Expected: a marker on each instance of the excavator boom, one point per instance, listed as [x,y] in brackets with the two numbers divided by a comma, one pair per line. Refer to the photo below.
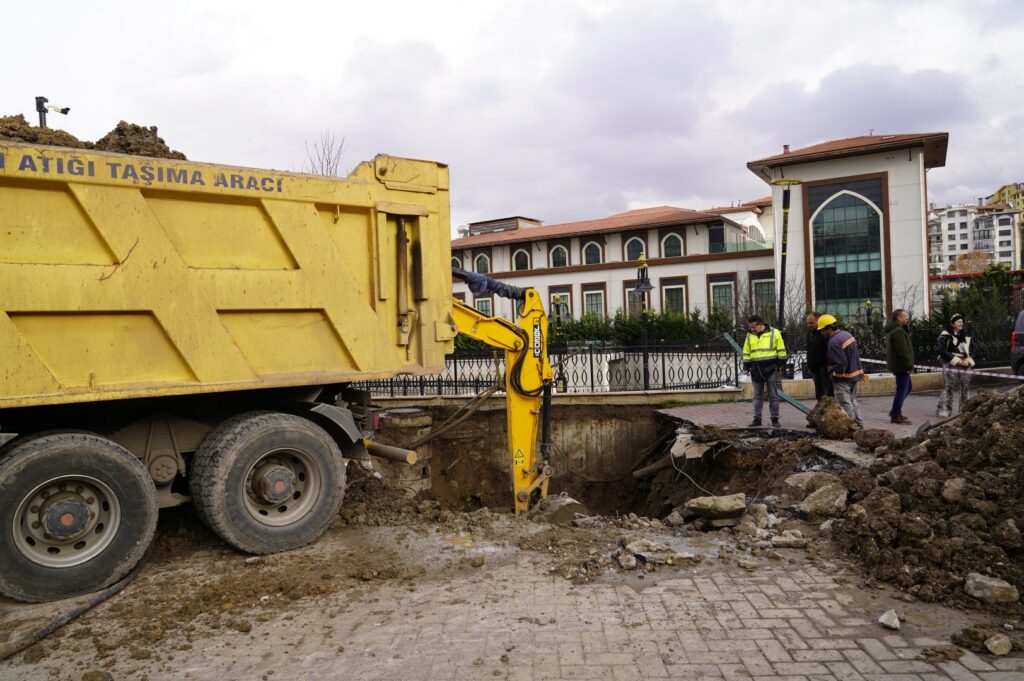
[528,377]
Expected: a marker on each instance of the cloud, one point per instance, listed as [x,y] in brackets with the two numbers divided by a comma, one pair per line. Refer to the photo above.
[560,111]
[854,100]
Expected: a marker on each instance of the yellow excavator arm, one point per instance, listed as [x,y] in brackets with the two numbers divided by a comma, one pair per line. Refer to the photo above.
[528,378]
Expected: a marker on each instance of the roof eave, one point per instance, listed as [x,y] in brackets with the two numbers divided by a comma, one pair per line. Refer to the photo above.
[935,148]
[530,235]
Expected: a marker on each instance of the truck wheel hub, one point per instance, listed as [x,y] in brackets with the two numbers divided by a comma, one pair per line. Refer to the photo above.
[65,515]
[274,483]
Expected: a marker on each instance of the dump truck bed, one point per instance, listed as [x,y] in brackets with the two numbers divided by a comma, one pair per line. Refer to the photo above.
[125,276]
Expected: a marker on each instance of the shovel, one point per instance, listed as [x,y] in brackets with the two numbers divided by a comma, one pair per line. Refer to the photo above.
[928,425]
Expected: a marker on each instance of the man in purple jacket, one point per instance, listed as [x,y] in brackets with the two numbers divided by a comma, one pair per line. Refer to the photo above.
[843,364]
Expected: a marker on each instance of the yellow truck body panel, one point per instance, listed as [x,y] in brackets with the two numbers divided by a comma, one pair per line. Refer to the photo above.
[124,276]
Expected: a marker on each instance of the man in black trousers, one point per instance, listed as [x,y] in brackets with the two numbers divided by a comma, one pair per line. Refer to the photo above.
[817,350]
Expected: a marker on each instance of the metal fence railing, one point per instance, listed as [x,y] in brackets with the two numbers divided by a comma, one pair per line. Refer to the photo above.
[581,368]
[596,367]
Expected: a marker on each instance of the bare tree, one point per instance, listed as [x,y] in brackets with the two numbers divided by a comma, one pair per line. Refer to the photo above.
[323,157]
[908,297]
[969,263]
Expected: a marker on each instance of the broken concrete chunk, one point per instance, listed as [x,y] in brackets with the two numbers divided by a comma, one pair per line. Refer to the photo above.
[718,507]
[890,620]
[747,564]
[651,552]
[758,514]
[1000,644]
[870,439]
[827,502]
[746,528]
[790,539]
[627,561]
[953,489]
[675,519]
[798,486]
[990,589]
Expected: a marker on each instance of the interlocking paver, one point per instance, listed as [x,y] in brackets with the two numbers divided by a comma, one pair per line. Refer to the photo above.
[771,625]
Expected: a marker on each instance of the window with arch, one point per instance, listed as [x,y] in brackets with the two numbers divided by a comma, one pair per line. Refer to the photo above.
[456,262]
[559,256]
[521,260]
[482,264]
[847,243]
[592,253]
[671,245]
[635,247]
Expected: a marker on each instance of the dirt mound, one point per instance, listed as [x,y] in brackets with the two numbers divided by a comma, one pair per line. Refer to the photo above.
[369,500]
[829,419]
[125,138]
[128,138]
[17,129]
[938,510]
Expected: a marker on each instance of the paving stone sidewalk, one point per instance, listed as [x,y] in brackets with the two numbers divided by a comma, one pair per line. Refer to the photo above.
[874,411]
[782,623]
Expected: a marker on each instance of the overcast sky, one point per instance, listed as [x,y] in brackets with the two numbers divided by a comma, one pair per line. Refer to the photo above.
[557,110]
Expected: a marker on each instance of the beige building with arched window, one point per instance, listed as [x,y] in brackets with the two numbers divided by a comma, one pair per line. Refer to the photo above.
[858,221]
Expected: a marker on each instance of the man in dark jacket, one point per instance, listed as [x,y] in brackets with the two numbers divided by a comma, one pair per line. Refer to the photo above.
[843,364]
[899,356]
[817,352]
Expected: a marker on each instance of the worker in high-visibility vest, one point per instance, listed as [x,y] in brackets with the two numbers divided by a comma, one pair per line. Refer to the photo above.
[764,353]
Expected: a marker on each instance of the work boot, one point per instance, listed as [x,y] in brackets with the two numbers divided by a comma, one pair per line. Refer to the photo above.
[756,423]
[776,424]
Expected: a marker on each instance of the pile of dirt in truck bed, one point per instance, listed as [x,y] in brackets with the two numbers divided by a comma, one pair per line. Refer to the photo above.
[125,138]
[928,514]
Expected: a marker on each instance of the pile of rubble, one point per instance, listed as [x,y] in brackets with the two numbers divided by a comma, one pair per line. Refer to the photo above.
[125,138]
[755,525]
[940,518]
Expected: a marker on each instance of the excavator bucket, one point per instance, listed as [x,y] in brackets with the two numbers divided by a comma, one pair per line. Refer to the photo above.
[557,510]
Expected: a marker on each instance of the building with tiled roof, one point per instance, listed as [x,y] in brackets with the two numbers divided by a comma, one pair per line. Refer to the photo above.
[695,259]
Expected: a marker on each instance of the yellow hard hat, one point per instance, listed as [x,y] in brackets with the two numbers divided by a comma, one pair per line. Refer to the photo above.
[826,320]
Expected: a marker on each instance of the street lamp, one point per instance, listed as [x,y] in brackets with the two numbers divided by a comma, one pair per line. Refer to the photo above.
[644,288]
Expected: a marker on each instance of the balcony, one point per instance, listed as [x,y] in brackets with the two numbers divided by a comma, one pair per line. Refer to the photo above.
[740,246]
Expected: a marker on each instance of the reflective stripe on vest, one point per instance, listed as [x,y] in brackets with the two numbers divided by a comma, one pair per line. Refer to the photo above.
[759,350]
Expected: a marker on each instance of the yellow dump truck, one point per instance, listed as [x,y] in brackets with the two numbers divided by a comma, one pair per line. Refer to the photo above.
[173,330]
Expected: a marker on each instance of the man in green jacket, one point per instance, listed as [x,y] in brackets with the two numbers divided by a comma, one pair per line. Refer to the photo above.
[899,356]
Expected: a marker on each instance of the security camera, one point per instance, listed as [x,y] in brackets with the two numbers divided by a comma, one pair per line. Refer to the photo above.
[59,109]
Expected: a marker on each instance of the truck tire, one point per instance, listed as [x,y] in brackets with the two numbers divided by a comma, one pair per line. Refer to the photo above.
[267,482]
[77,513]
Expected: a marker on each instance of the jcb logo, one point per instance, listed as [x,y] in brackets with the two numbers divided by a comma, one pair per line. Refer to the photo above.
[536,339]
